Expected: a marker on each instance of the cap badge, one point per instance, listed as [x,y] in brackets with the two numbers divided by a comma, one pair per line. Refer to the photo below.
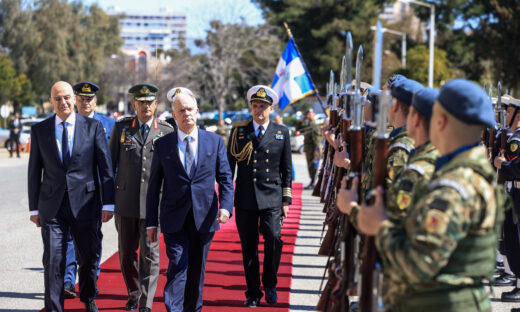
[177,92]
[86,88]
[261,93]
[144,90]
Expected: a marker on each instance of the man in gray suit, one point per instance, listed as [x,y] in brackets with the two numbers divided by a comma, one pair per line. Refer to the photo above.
[131,146]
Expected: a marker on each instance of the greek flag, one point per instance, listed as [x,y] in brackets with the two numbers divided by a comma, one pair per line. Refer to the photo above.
[291,81]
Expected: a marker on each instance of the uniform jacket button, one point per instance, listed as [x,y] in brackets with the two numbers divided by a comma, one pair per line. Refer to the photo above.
[267,180]
[142,180]
[254,179]
[254,170]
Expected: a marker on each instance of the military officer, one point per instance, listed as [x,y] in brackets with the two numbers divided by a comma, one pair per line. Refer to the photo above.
[440,255]
[311,143]
[261,152]
[508,164]
[131,146]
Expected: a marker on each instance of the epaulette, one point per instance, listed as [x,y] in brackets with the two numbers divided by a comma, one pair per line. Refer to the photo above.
[242,123]
[164,123]
[450,183]
[399,145]
[416,168]
[124,119]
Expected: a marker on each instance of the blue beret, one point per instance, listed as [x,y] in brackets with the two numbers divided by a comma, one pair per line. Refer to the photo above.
[85,88]
[423,101]
[467,101]
[395,77]
[404,89]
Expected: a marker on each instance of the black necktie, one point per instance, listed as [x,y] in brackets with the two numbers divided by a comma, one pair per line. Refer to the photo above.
[188,156]
[144,131]
[260,133]
[65,146]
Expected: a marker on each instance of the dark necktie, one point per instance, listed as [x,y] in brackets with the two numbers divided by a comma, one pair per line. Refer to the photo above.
[65,155]
[260,133]
[188,156]
[144,131]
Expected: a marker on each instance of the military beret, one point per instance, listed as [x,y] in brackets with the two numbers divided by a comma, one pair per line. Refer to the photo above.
[404,89]
[262,93]
[372,95]
[144,92]
[423,101]
[85,88]
[172,94]
[395,77]
[467,101]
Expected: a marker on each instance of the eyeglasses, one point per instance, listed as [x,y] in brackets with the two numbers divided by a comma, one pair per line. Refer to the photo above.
[85,99]
[59,98]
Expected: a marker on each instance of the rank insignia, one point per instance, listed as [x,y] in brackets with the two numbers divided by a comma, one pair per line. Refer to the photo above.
[279,136]
[123,136]
[436,221]
[105,129]
[403,199]
[514,147]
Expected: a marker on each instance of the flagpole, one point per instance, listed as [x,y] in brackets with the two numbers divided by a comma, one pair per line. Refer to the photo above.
[289,33]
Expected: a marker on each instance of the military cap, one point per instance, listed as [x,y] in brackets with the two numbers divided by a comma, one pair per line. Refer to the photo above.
[172,94]
[262,93]
[404,89]
[395,77]
[85,88]
[467,101]
[509,100]
[144,92]
[423,101]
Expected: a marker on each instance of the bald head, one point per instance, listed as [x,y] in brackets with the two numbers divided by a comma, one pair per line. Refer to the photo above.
[62,99]
[184,111]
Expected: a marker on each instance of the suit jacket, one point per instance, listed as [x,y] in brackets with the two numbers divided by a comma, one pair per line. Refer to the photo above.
[181,192]
[90,166]
[12,127]
[132,161]
[107,122]
[267,173]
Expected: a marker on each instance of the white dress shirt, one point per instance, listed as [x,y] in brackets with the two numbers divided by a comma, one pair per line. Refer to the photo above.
[256,125]
[194,142]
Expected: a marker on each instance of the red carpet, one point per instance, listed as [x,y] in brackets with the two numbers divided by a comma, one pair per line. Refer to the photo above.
[225,281]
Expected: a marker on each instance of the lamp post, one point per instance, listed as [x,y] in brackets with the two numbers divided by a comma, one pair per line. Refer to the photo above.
[432,35]
[403,42]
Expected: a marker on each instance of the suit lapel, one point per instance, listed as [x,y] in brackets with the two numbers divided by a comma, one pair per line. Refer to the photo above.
[174,152]
[79,133]
[53,140]
[251,134]
[201,150]
[154,130]
[268,135]
[136,131]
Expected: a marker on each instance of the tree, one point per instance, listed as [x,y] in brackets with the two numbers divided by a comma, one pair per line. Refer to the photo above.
[319,28]
[417,65]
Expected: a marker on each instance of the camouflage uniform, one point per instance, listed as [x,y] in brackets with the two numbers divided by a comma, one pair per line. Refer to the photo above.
[438,258]
[311,145]
[420,167]
[399,147]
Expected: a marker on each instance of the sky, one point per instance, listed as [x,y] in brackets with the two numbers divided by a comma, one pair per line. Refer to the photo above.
[198,12]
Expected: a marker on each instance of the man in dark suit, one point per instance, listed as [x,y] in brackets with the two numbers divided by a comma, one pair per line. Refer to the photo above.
[186,163]
[261,152]
[68,164]
[132,149]
[15,128]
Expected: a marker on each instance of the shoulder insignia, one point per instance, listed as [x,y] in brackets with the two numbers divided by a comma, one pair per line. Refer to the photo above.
[240,123]
[449,183]
[436,221]
[416,168]
[164,123]
[514,147]
[406,185]
[407,148]
[403,199]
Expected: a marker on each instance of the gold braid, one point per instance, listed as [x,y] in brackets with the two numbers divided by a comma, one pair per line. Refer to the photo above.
[244,153]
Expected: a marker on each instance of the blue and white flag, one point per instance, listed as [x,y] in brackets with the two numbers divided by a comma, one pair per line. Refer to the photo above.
[291,81]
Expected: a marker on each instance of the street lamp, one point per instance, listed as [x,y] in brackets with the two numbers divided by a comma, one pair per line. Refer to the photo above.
[403,42]
[432,35]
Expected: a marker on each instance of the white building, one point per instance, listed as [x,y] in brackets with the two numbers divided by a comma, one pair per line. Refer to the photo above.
[148,31]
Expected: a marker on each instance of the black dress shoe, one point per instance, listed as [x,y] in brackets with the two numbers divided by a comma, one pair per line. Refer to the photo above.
[271,296]
[91,306]
[505,279]
[69,291]
[145,309]
[132,305]
[252,302]
[309,187]
[511,296]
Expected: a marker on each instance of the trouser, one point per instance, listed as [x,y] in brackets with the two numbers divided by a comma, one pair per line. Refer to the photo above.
[187,252]
[140,272]
[312,160]
[511,243]
[248,229]
[54,235]
[14,140]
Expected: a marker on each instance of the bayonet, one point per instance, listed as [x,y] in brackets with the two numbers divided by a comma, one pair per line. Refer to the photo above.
[359,63]
[349,49]
[378,56]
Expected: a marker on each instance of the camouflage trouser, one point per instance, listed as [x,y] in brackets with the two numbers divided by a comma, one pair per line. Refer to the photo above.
[312,154]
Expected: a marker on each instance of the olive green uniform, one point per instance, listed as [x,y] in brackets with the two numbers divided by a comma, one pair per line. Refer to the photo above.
[311,145]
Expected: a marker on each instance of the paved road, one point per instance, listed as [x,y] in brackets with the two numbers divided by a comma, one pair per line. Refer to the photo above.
[21,282]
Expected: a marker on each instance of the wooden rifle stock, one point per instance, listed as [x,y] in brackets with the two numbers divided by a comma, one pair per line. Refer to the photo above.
[329,160]
[328,242]
[317,188]
[369,250]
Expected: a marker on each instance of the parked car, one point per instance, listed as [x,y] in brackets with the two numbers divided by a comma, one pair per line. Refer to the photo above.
[296,140]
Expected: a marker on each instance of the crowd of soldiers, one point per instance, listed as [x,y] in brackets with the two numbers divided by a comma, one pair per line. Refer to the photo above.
[417,185]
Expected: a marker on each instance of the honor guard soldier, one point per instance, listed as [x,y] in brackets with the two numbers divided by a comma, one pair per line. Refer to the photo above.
[86,101]
[508,164]
[132,146]
[261,152]
[444,249]
[311,143]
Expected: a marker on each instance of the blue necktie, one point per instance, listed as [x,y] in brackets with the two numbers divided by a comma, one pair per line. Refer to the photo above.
[144,131]
[260,133]
[188,156]
[65,146]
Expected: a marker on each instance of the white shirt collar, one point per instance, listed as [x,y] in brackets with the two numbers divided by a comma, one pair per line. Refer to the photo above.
[71,120]
[91,115]
[194,134]
[256,125]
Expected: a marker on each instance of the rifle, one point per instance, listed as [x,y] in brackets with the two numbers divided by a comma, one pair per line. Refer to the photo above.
[492,132]
[503,128]
[333,123]
[316,192]
[369,271]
